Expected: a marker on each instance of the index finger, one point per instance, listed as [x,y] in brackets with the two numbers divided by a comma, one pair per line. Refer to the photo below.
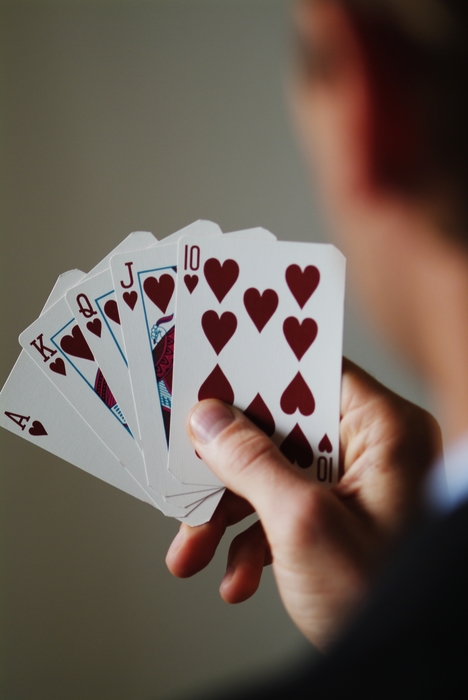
[194,547]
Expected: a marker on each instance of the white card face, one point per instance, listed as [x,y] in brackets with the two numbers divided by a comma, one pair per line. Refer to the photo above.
[144,283]
[33,408]
[94,307]
[64,282]
[68,435]
[260,326]
[29,402]
[134,241]
[149,333]
[204,510]
[55,342]
[57,345]
[61,351]
[258,233]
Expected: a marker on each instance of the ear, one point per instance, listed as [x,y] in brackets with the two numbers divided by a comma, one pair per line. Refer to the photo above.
[357,119]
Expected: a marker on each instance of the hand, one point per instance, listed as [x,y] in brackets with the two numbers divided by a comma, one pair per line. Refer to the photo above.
[324,545]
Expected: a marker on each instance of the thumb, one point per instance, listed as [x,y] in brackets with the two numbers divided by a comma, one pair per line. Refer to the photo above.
[319,547]
[248,462]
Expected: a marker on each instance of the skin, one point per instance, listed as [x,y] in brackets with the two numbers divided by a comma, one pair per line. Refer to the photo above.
[326,546]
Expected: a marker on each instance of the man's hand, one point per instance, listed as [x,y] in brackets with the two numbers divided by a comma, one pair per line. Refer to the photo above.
[324,545]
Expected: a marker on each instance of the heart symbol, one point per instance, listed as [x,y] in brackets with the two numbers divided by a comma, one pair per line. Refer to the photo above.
[302,284]
[130,298]
[219,330]
[325,444]
[296,448]
[37,428]
[191,282]
[95,326]
[258,412]
[112,310]
[260,307]
[300,336]
[298,396]
[58,366]
[160,291]
[76,345]
[216,386]
[221,278]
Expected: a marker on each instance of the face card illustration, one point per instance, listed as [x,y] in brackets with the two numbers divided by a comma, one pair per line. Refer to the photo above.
[83,359]
[149,331]
[33,408]
[94,306]
[144,284]
[260,326]
[57,345]
[94,303]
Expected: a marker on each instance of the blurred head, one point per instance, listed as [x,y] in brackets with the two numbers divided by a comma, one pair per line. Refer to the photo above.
[381,102]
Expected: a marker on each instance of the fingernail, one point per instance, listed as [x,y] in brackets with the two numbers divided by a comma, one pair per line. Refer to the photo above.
[209,419]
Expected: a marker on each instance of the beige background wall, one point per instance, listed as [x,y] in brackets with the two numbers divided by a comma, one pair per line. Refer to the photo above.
[121,116]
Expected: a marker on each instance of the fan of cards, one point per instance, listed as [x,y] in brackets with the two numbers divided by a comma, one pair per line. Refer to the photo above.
[105,382]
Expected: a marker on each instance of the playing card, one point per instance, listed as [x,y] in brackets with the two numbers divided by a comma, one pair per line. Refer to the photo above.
[146,309]
[134,241]
[94,306]
[64,282]
[32,401]
[55,342]
[33,408]
[257,233]
[144,283]
[140,239]
[259,325]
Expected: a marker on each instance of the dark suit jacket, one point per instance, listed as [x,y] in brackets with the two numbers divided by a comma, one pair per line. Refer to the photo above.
[411,639]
